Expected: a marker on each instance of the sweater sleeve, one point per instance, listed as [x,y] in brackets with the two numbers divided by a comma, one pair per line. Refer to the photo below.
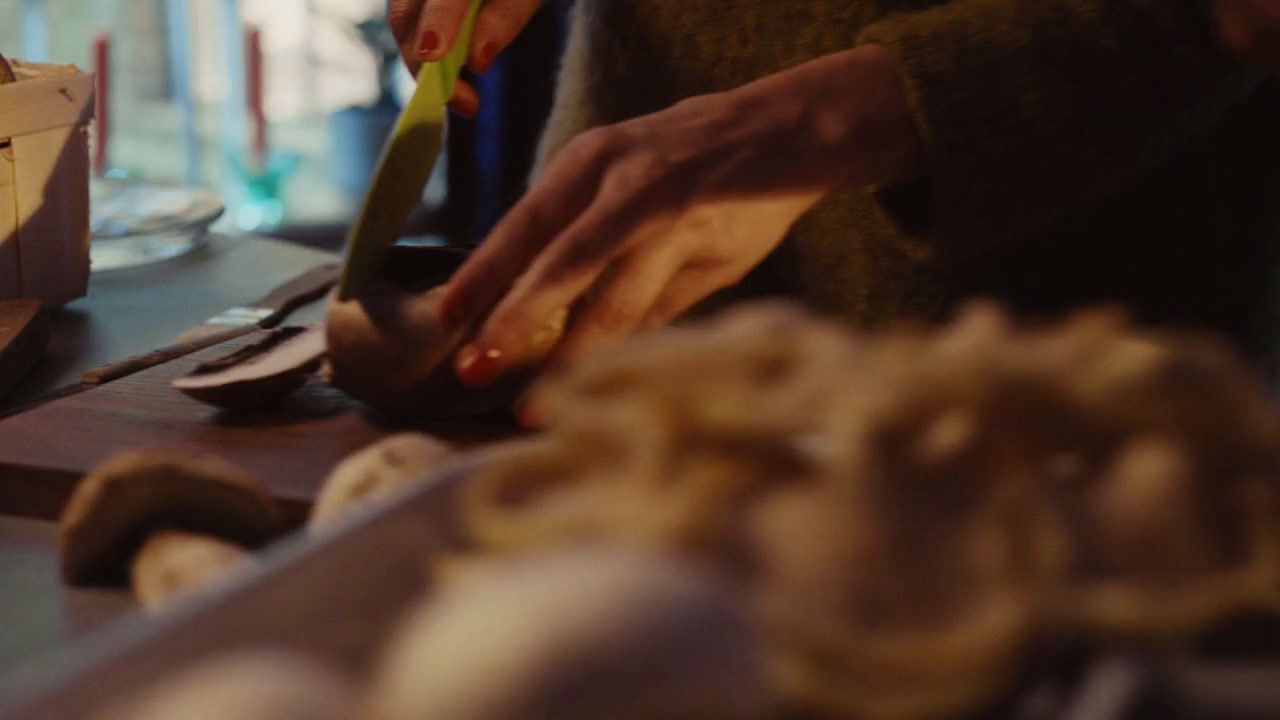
[1031,109]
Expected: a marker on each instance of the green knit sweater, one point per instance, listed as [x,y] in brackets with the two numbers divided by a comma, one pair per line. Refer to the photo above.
[1080,151]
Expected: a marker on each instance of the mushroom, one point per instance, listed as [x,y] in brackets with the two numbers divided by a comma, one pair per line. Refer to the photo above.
[173,522]
[584,634]
[259,684]
[376,471]
[258,375]
[390,349]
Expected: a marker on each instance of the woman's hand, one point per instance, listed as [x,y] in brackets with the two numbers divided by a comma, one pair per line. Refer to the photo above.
[1251,28]
[632,224]
[428,29]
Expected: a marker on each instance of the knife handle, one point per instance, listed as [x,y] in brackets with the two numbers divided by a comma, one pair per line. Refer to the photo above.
[137,363]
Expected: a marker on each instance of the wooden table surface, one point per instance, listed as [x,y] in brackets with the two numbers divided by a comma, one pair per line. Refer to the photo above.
[125,313]
[37,613]
[133,311]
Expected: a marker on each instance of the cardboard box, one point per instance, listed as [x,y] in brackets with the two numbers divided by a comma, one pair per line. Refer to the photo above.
[44,183]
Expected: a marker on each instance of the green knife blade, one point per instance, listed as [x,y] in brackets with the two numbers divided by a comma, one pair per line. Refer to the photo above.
[404,166]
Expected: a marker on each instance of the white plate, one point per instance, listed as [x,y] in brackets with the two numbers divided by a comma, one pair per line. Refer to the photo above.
[135,223]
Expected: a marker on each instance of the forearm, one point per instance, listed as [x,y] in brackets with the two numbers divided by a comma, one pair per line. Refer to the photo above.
[849,113]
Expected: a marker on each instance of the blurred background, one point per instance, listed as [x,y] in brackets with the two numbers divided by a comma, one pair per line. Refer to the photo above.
[280,106]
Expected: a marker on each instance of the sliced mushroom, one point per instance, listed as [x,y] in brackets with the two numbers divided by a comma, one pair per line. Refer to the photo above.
[588,634]
[123,517]
[261,374]
[390,349]
[249,685]
[376,471]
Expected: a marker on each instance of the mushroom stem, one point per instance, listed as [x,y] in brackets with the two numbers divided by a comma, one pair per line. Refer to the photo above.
[173,564]
[376,471]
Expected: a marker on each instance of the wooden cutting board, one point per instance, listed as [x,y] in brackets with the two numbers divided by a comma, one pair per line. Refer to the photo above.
[46,450]
[24,335]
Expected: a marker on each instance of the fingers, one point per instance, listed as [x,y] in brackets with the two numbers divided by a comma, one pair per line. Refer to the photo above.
[620,305]
[687,288]
[498,25]
[438,27]
[612,314]
[554,282]
[402,16]
[426,30]
[565,190]
[466,101]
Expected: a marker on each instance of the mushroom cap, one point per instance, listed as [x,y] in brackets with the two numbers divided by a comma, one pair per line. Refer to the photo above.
[390,349]
[583,634]
[258,375]
[259,684]
[379,469]
[135,493]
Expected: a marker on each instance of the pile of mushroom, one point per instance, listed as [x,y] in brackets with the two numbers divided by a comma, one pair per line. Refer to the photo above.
[253,684]
[172,523]
[578,635]
[907,512]
[766,515]
[375,472]
[175,522]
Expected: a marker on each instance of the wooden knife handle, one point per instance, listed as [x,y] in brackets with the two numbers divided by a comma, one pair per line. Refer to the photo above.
[129,366]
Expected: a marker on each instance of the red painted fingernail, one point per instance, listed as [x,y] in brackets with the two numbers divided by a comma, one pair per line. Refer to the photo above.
[428,44]
[478,367]
[488,53]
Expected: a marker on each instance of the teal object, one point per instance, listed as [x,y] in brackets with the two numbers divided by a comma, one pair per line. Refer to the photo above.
[258,193]
[405,165]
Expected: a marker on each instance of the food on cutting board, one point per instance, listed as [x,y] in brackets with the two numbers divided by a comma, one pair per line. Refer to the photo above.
[377,471]
[387,348]
[258,684]
[261,374]
[171,522]
[770,511]
[906,513]
[390,350]
[582,634]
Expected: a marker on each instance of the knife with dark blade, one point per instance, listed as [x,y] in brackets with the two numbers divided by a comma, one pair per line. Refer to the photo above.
[405,165]
[264,313]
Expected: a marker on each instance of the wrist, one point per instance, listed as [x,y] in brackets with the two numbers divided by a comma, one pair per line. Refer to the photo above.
[851,113]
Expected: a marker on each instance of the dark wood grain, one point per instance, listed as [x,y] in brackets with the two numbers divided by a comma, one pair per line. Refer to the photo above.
[336,595]
[45,451]
[24,335]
